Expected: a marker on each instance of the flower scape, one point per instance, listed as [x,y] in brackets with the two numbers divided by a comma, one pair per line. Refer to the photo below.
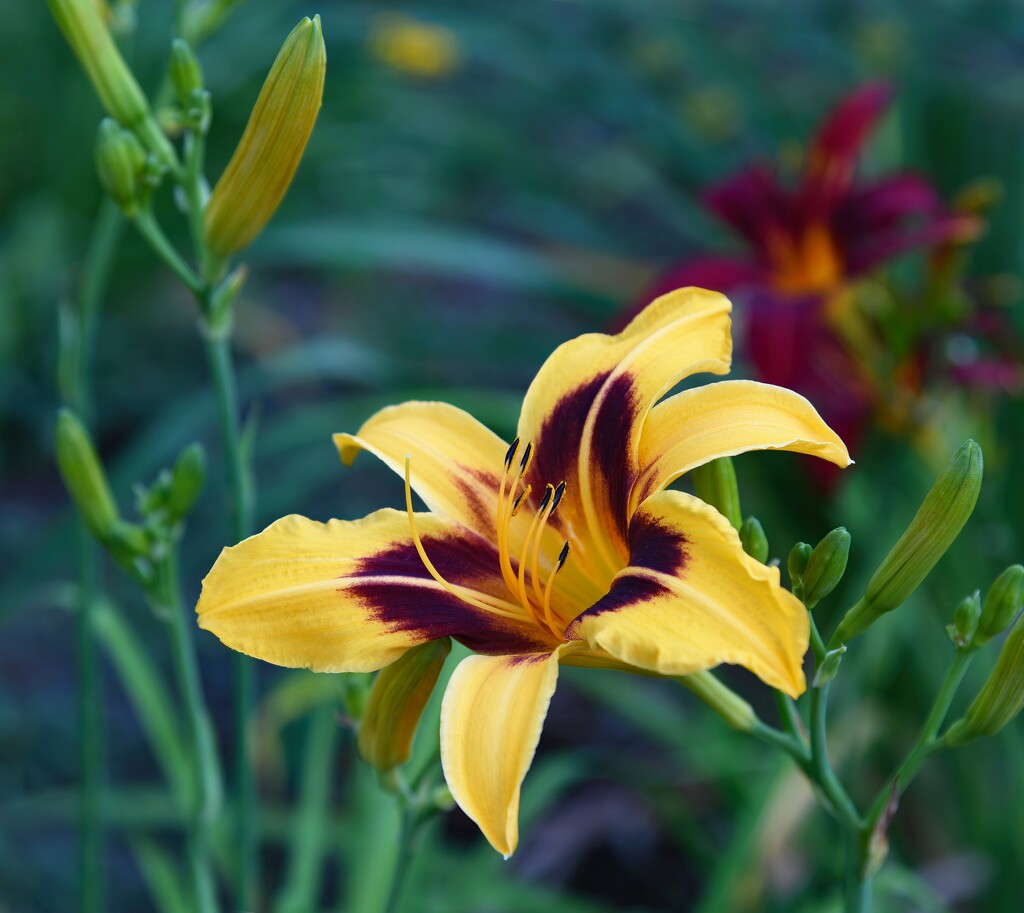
[564,547]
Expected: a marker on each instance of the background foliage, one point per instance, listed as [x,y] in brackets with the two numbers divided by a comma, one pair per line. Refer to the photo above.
[444,233]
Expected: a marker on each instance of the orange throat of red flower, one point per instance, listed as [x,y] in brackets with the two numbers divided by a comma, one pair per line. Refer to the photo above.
[808,263]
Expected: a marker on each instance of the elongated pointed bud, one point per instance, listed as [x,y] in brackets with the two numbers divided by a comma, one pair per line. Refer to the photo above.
[829,666]
[399,694]
[1001,697]
[796,564]
[715,484]
[965,622]
[186,74]
[187,479]
[1002,603]
[83,475]
[82,24]
[120,159]
[826,566]
[262,167]
[945,510]
[755,542]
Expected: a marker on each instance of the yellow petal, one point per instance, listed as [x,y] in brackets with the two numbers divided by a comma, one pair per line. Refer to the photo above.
[692,599]
[724,419]
[456,461]
[491,719]
[353,596]
[586,407]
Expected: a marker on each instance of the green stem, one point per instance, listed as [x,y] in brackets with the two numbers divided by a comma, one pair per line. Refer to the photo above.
[93,283]
[927,740]
[151,231]
[240,505]
[821,770]
[403,859]
[818,648]
[790,716]
[205,802]
[857,890]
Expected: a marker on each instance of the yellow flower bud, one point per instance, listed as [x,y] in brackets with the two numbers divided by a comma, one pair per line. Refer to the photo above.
[82,23]
[1000,699]
[257,177]
[399,694]
[945,510]
[83,475]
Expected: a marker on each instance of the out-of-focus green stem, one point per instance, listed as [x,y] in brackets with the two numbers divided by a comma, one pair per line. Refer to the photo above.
[926,741]
[93,283]
[203,807]
[403,859]
[218,350]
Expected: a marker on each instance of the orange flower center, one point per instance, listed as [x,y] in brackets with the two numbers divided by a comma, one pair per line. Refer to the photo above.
[809,262]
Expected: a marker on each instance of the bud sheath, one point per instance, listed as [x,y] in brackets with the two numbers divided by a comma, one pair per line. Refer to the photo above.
[262,167]
[399,694]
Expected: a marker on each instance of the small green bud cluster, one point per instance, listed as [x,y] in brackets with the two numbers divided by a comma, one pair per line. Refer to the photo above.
[815,572]
[162,505]
[187,79]
[755,542]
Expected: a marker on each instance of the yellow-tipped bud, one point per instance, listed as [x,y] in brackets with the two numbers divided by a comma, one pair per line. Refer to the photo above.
[257,177]
[1000,699]
[83,25]
[120,159]
[399,694]
[945,510]
[83,475]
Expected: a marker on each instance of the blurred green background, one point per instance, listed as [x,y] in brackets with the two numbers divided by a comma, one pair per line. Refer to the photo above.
[458,215]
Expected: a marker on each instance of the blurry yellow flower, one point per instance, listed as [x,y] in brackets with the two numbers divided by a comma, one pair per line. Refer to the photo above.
[657,581]
[411,46]
[257,177]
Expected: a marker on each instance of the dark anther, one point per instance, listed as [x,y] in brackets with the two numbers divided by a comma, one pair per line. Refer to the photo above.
[527,453]
[559,491]
[511,454]
[562,557]
[547,497]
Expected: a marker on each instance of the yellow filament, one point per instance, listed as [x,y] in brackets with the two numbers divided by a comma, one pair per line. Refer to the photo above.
[521,581]
[545,515]
[548,621]
[457,592]
[504,561]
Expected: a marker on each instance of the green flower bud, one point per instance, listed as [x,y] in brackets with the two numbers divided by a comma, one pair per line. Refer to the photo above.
[755,542]
[1002,603]
[82,24]
[829,667]
[268,154]
[186,74]
[1001,697]
[83,476]
[120,159]
[965,622]
[715,484]
[826,566]
[945,510]
[797,562]
[187,479]
[399,694]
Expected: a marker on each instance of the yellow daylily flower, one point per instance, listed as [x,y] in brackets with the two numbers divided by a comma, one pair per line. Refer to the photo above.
[563,547]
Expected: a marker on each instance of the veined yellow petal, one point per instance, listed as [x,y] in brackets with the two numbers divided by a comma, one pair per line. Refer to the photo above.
[456,461]
[585,410]
[692,599]
[491,718]
[724,419]
[353,596]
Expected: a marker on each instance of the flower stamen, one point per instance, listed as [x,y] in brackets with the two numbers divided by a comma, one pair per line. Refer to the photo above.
[498,606]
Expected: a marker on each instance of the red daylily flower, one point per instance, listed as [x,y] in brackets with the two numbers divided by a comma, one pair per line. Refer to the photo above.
[805,243]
